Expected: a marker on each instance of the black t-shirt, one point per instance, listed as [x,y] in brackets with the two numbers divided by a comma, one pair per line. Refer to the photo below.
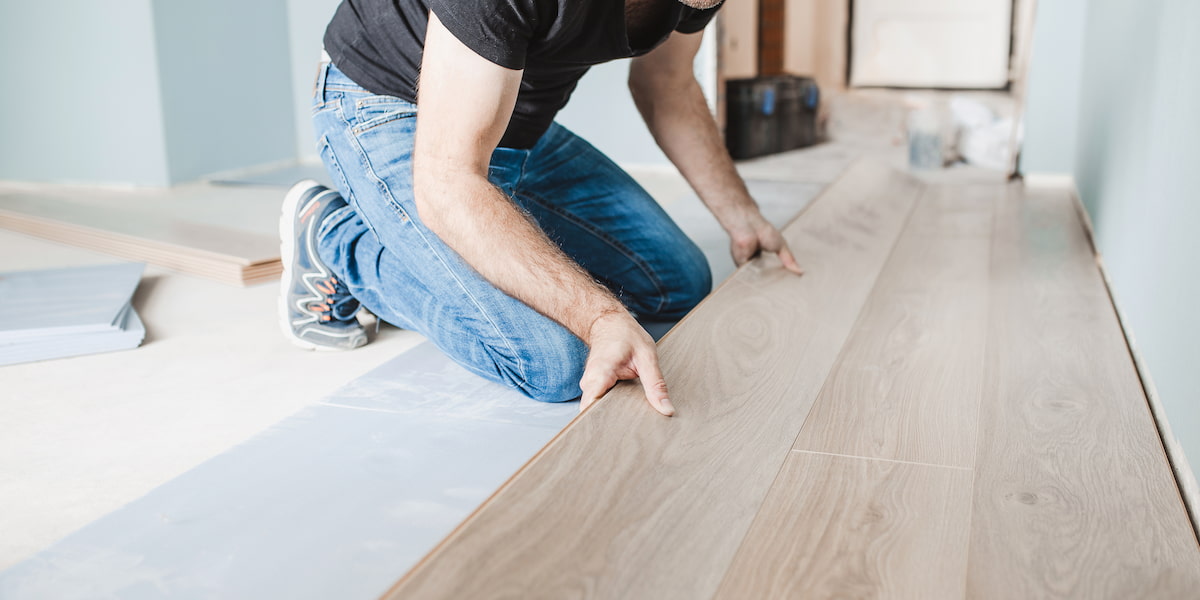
[378,43]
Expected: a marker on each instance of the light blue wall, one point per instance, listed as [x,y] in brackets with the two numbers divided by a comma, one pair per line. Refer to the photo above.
[306,28]
[1137,129]
[80,101]
[1051,123]
[224,66]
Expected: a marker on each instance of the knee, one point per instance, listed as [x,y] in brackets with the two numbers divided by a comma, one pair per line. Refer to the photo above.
[548,370]
[690,283]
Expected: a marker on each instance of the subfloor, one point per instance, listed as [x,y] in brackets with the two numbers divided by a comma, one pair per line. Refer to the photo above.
[81,437]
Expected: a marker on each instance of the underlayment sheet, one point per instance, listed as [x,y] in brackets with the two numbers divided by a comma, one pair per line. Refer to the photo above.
[332,502]
[126,334]
[58,313]
[65,301]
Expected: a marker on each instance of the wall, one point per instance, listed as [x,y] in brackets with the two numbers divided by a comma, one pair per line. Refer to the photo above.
[306,30]
[1135,128]
[602,111]
[226,83]
[81,99]
[1055,76]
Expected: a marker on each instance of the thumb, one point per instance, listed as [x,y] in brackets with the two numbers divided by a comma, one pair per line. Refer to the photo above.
[654,385]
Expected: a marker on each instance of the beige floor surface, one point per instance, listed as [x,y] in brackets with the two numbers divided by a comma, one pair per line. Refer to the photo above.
[80,437]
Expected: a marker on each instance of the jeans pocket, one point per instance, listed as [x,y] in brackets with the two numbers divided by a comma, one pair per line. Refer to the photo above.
[373,111]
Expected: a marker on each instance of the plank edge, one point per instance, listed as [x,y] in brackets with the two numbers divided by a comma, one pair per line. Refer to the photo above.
[728,282]
[1184,476]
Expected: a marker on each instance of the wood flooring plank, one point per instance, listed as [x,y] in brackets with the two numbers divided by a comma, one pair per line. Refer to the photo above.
[908,382]
[849,527]
[1073,495]
[626,504]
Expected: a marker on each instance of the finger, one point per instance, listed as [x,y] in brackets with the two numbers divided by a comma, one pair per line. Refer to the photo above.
[789,261]
[654,384]
[594,386]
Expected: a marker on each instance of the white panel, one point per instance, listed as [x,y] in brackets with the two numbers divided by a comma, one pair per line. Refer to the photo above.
[931,43]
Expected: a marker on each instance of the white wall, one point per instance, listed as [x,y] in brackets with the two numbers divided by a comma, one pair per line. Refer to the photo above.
[1133,116]
[81,101]
[602,111]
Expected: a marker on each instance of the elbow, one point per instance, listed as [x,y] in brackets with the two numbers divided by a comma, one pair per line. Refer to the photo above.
[426,197]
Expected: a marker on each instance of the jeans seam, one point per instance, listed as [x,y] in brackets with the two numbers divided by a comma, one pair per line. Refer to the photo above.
[607,239]
[390,199]
[381,120]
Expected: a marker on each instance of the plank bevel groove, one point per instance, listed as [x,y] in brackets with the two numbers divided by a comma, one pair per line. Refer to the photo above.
[891,460]
[602,479]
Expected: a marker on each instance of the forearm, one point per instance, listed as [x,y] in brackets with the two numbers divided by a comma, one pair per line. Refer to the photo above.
[679,120]
[495,237]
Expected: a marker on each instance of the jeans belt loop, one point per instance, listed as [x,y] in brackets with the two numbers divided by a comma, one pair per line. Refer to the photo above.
[322,73]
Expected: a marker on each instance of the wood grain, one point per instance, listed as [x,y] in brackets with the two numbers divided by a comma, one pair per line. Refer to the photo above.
[1073,495]
[625,504]
[220,253]
[847,527]
[908,382]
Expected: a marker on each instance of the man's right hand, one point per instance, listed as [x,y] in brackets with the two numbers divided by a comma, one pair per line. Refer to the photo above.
[620,350]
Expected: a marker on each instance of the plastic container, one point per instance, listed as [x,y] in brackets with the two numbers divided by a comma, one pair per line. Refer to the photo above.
[766,115]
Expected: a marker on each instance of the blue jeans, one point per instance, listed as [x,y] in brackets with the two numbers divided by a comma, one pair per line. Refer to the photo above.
[407,276]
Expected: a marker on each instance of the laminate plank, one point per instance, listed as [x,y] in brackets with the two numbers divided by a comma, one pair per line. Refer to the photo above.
[625,504]
[227,255]
[1073,496]
[908,383]
[848,527]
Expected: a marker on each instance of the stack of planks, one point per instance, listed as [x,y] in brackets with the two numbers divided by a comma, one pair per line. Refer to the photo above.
[944,406]
[222,254]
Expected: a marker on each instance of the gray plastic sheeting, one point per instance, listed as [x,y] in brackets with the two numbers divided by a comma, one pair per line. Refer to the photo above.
[337,501]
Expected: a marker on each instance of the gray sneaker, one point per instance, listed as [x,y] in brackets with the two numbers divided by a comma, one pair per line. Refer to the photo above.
[316,310]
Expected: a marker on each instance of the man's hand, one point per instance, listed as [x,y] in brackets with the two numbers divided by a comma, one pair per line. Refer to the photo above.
[620,350]
[665,90]
[752,235]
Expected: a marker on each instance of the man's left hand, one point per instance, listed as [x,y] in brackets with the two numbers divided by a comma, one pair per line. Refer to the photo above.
[754,235]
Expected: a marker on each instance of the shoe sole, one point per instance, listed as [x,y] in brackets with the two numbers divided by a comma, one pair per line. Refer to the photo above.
[287,252]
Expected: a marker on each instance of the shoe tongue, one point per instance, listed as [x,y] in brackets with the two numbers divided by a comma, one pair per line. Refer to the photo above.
[343,309]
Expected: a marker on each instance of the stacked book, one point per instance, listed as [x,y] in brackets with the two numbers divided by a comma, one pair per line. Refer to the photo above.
[68,312]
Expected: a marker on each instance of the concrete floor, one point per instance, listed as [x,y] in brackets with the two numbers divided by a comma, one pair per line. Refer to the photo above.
[81,437]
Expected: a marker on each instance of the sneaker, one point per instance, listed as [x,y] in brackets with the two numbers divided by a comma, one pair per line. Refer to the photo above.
[316,310]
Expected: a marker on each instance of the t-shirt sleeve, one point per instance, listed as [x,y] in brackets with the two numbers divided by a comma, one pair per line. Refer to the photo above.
[695,20]
[498,30]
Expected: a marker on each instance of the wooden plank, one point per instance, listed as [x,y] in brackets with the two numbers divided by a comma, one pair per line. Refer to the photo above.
[1073,494]
[227,255]
[625,504]
[846,527]
[907,385]
[156,231]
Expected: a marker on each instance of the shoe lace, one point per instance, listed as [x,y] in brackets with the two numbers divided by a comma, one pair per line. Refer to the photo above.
[336,303]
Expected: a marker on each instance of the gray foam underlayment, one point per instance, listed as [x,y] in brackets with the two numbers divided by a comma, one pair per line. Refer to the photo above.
[336,501]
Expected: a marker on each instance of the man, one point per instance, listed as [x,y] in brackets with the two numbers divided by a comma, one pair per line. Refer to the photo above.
[467,215]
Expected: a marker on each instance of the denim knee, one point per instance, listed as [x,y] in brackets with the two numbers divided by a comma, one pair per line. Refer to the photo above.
[548,370]
[690,284]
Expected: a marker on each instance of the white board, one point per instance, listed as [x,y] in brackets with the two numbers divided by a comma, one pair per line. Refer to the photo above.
[961,44]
